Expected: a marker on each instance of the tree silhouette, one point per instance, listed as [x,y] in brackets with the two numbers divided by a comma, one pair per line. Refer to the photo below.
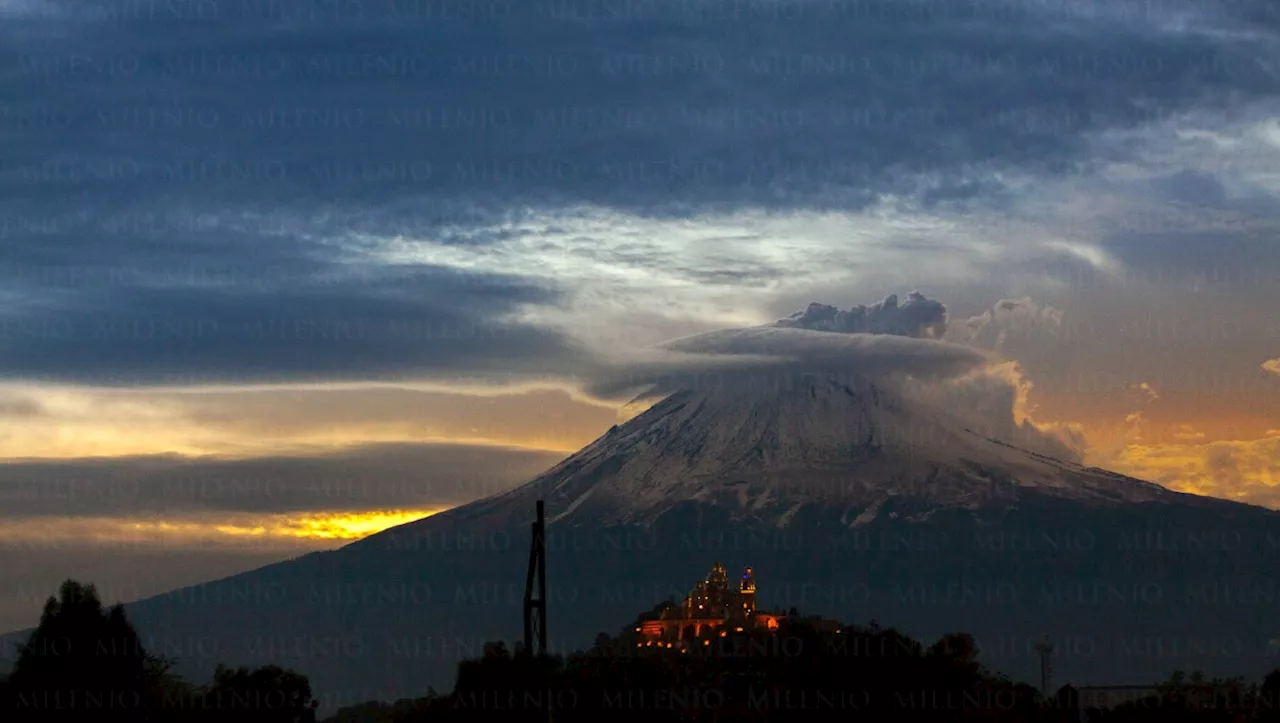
[82,663]
[87,664]
[960,648]
[602,645]
[269,694]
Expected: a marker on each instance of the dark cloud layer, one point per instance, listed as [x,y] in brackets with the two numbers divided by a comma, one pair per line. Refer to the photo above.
[386,326]
[227,162]
[369,478]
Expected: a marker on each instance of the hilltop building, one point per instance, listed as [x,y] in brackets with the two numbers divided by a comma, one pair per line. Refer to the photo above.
[713,605]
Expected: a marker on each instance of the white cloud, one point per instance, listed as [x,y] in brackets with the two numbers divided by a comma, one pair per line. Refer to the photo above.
[731,355]
[1017,317]
[1150,391]
[996,400]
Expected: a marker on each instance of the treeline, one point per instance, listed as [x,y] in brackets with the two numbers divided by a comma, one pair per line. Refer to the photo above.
[85,663]
[807,670]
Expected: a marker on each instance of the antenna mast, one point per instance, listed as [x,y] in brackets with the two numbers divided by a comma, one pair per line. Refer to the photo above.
[535,611]
[1045,649]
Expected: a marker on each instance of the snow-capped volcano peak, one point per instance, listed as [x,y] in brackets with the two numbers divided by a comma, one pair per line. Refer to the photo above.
[766,448]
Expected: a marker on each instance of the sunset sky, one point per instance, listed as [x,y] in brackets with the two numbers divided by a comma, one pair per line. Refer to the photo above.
[280,274]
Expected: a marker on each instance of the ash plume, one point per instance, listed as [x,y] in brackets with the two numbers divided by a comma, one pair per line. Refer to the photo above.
[919,317]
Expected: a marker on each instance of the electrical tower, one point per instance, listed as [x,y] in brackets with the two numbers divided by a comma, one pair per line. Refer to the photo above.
[1045,649]
[535,611]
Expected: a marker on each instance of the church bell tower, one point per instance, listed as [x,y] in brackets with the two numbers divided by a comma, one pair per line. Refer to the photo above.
[747,592]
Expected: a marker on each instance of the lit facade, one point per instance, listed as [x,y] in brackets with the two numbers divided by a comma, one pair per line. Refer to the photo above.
[713,605]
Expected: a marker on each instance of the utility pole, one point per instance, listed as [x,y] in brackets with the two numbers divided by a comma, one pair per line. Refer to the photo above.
[535,610]
[1045,649]
[535,626]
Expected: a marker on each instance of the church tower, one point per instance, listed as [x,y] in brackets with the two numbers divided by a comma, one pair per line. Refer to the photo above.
[717,587]
[747,592]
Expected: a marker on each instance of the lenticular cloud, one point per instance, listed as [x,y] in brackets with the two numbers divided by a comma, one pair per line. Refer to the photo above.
[881,340]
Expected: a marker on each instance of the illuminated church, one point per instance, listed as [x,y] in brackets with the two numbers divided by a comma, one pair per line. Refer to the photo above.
[714,605]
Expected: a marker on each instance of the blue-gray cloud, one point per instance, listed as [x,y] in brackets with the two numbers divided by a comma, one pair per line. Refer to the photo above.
[223,165]
[389,325]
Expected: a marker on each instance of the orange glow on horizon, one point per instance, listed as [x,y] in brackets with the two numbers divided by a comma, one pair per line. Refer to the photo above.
[286,530]
[330,525]
[236,422]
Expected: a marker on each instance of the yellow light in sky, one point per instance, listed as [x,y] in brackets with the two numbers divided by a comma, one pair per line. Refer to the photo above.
[308,529]
[353,525]
[321,525]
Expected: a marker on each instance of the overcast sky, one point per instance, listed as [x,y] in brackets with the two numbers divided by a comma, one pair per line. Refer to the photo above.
[247,244]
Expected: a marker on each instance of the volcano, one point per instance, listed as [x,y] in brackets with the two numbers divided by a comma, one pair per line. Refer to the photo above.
[850,499]
[766,449]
